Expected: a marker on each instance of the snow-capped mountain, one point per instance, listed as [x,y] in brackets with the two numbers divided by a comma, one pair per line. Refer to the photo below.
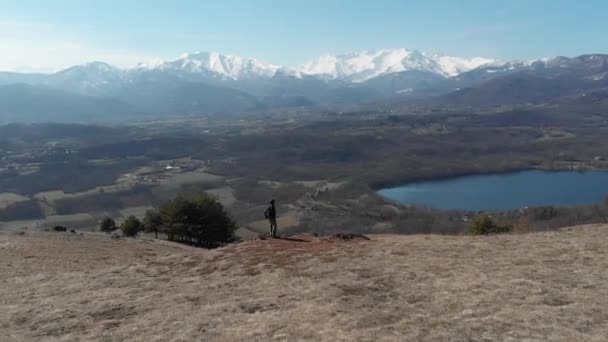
[363,66]
[98,68]
[87,78]
[212,83]
[453,66]
[215,64]
[353,67]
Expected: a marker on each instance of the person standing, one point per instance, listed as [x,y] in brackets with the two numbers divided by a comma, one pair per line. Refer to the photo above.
[271,214]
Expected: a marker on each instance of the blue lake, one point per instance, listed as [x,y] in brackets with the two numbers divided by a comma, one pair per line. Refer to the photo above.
[505,191]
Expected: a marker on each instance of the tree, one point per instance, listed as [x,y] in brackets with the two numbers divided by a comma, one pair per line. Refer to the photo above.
[202,222]
[131,226]
[152,222]
[107,225]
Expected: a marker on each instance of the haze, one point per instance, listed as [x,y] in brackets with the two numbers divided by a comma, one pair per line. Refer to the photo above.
[48,36]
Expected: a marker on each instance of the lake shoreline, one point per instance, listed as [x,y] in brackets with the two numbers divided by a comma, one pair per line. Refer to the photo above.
[503,190]
[378,186]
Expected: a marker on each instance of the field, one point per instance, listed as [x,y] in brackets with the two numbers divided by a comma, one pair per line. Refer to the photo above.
[7,199]
[528,287]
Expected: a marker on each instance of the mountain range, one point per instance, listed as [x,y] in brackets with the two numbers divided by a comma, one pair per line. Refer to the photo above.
[205,83]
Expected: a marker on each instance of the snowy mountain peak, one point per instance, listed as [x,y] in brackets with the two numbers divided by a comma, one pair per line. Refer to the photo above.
[91,67]
[215,64]
[362,66]
[353,66]
[453,66]
[89,77]
[350,67]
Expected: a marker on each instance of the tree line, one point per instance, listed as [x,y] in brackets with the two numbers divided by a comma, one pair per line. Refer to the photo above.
[201,222]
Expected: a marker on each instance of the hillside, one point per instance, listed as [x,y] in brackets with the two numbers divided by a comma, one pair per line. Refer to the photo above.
[22,102]
[537,287]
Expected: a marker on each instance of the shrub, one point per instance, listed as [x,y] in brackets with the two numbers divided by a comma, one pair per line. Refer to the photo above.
[131,226]
[60,229]
[107,225]
[484,225]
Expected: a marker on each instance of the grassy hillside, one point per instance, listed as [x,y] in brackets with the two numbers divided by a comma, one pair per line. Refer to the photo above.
[534,287]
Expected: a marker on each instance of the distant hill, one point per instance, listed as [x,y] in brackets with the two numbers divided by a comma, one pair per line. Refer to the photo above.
[176,97]
[513,89]
[22,102]
[213,84]
[540,82]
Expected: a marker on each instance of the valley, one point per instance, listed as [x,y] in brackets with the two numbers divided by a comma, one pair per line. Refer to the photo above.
[303,171]
[322,167]
[320,139]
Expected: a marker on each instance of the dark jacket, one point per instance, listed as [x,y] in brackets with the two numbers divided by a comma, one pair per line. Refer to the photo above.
[271,213]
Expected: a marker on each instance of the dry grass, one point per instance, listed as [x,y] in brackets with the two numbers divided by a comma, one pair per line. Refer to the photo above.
[524,287]
[81,220]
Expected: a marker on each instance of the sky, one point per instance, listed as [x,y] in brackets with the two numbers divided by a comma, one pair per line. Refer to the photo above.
[50,35]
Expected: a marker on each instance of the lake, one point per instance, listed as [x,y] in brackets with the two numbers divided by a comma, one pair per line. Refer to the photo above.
[505,191]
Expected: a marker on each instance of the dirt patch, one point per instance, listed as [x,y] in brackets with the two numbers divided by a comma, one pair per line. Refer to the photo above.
[347,236]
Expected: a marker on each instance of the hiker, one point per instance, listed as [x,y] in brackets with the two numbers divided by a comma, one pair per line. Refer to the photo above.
[271,214]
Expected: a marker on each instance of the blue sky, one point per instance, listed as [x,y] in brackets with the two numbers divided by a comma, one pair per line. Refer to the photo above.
[48,35]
